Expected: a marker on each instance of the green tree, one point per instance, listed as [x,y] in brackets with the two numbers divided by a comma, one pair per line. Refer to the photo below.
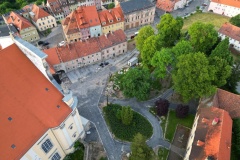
[193,77]
[140,149]
[143,34]
[202,36]
[222,70]
[235,152]
[233,80]
[160,61]
[126,115]
[235,20]
[136,83]
[148,50]
[222,51]
[182,47]
[111,5]
[169,29]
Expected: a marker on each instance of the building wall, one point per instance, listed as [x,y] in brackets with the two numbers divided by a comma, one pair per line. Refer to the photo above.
[106,2]
[115,50]
[234,43]
[98,4]
[191,138]
[29,34]
[73,37]
[95,31]
[139,18]
[180,4]
[57,16]
[113,27]
[45,23]
[226,10]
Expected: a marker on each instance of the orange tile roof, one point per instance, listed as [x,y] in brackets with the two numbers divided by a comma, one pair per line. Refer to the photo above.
[87,47]
[234,3]
[216,139]
[18,21]
[230,31]
[112,14]
[39,13]
[82,17]
[166,5]
[24,98]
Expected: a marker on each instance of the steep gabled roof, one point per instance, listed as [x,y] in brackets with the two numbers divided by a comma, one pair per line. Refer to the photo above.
[18,21]
[38,13]
[230,30]
[112,14]
[28,104]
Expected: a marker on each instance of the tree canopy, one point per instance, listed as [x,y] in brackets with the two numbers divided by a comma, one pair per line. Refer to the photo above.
[169,29]
[140,149]
[202,36]
[136,83]
[111,5]
[193,77]
[222,51]
[160,61]
[143,34]
[235,20]
[126,115]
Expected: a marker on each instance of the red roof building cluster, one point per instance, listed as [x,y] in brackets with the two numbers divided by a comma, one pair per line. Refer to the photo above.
[18,21]
[38,13]
[110,17]
[166,5]
[231,31]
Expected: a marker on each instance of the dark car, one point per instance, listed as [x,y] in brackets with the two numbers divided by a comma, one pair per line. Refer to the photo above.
[204,4]
[106,63]
[45,43]
[101,64]
[40,42]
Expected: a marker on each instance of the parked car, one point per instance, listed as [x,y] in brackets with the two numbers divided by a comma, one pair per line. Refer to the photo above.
[40,42]
[101,64]
[88,132]
[106,63]
[61,43]
[45,43]
[204,4]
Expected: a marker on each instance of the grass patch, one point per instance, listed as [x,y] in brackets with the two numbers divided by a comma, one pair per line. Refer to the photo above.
[78,154]
[126,132]
[162,153]
[163,125]
[173,121]
[215,19]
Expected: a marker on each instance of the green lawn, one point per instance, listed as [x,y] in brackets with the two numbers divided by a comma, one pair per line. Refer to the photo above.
[126,132]
[215,19]
[162,153]
[173,121]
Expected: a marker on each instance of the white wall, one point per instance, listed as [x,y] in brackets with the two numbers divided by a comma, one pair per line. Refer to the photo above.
[226,10]
[94,31]
[233,42]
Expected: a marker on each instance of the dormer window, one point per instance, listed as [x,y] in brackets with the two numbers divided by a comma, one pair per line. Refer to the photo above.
[103,23]
[110,21]
[119,19]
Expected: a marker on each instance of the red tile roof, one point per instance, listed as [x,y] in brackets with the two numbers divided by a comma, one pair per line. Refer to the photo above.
[216,138]
[24,98]
[82,17]
[18,21]
[234,3]
[80,49]
[112,14]
[55,6]
[39,13]
[230,31]
[228,101]
[166,5]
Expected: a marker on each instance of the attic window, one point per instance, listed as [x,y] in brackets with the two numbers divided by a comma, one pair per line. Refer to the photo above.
[103,23]
[119,19]
[58,106]
[46,89]
[13,146]
[111,21]
[10,118]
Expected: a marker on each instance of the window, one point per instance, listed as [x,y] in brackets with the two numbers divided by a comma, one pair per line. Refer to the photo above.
[56,156]
[47,145]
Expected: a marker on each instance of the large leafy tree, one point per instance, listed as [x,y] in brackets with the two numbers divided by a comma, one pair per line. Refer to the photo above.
[182,47]
[222,70]
[222,51]
[202,36]
[140,149]
[126,115]
[193,77]
[160,61]
[143,34]
[148,50]
[235,20]
[233,80]
[136,83]
[235,139]
[169,29]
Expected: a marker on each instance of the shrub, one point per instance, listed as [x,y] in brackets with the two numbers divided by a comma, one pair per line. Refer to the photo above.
[162,106]
[182,111]
[126,115]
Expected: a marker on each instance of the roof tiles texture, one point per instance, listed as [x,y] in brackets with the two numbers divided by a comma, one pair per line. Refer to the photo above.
[230,31]
[18,21]
[29,100]
[216,138]
[135,5]
[81,49]
[112,14]
[39,13]
[55,6]
[166,5]
[234,3]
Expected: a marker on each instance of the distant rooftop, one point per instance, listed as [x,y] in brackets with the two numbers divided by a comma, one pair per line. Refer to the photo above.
[4,30]
[135,5]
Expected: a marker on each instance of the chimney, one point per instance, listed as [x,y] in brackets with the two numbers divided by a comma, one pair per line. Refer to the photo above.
[215,121]
[106,35]
[204,120]
[200,143]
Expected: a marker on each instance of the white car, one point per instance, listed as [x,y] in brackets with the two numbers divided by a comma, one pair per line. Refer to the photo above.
[88,132]
[61,43]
